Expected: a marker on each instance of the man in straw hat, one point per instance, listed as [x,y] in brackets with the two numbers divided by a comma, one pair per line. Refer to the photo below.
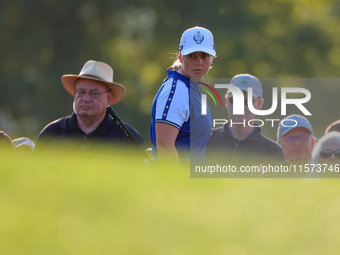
[93,91]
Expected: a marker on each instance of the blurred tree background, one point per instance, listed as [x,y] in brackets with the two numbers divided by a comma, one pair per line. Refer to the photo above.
[44,39]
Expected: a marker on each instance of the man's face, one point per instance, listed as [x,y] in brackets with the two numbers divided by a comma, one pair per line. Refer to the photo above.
[297,144]
[91,98]
[248,115]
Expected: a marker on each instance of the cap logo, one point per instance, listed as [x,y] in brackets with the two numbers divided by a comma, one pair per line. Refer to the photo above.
[244,81]
[198,38]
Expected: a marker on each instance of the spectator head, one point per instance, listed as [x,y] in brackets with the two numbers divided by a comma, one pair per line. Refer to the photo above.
[335,126]
[243,82]
[295,135]
[327,149]
[99,72]
[23,143]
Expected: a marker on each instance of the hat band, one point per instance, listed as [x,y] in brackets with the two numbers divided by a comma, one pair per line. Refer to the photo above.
[96,77]
[90,76]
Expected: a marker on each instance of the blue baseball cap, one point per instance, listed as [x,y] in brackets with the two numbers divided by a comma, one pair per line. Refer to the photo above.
[291,122]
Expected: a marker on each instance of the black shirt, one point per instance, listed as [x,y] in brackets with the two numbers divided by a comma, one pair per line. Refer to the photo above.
[108,132]
[224,147]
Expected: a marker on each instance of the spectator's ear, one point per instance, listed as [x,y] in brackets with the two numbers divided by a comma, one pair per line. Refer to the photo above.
[226,101]
[109,98]
[260,103]
[313,141]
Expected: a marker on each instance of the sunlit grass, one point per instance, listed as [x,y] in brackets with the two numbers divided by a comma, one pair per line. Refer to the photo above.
[107,202]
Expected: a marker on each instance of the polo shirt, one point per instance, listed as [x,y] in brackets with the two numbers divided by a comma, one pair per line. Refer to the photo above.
[178,103]
[107,132]
[255,148]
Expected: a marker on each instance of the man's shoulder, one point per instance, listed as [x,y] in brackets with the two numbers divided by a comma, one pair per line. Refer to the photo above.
[266,140]
[269,145]
[58,123]
[53,130]
[55,127]
[272,148]
[218,137]
[217,131]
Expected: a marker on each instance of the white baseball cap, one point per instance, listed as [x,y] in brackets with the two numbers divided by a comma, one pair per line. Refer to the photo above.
[244,81]
[197,39]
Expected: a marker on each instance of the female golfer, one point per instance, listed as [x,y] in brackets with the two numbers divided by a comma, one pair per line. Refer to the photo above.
[178,129]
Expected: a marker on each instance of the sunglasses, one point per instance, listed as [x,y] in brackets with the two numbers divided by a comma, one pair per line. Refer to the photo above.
[292,139]
[328,153]
[231,100]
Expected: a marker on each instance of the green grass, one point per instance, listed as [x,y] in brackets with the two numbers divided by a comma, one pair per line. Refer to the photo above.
[108,202]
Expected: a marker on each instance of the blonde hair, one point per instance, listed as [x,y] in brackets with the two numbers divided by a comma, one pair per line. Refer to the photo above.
[176,65]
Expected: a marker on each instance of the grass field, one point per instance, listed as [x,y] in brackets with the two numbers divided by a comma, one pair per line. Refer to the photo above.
[108,202]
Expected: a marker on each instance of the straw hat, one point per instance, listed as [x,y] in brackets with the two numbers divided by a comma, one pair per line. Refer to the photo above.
[98,71]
